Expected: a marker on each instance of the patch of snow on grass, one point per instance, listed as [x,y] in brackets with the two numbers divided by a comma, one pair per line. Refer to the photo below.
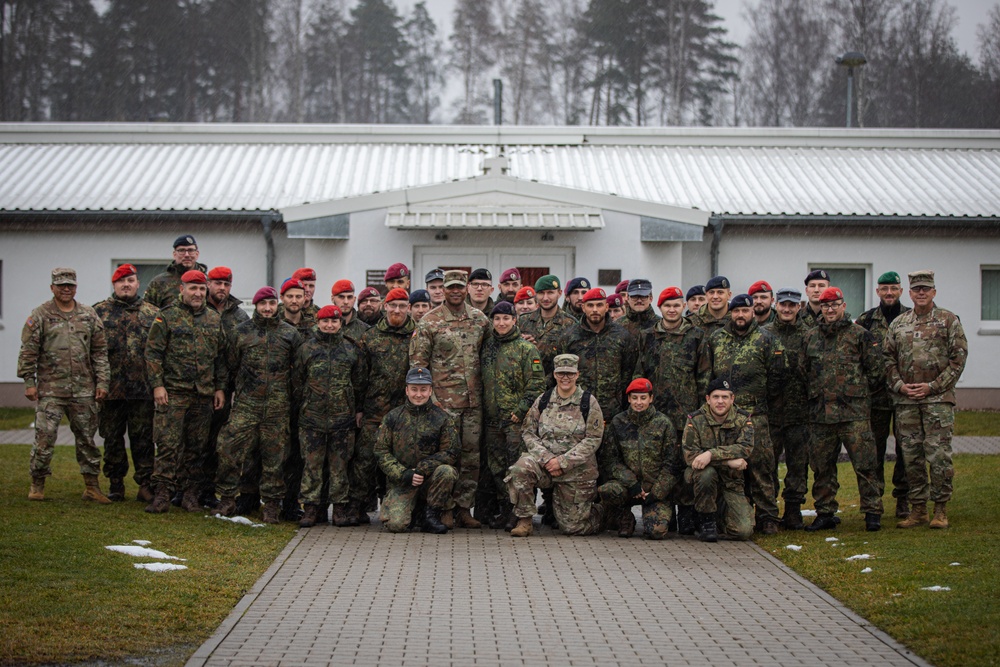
[936,588]
[866,570]
[141,552]
[142,543]
[242,520]
[794,547]
[860,557]
[159,567]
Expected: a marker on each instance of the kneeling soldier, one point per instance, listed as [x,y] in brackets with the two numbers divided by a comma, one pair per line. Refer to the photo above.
[638,450]
[718,440]
[417,448]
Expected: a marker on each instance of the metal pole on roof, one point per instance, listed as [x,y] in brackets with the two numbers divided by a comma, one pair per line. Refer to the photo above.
[850,60]
[497,102]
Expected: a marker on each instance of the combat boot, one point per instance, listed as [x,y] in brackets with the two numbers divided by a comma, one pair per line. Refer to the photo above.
[626,523]
[189,501]
[918,516]
[873,522]
[432,521]
[769,527]
[503,518]
[227,506]
[309,516]
[940,519]
[37,491]
[247,503]
[340,517]
[793,517]
[902,508]
[161,501]
[116,490]
[523,527]
[362,514]
[822,522]
[448,519]
[144,494]
[687,523]
[92,491]
[464,518]
[270,512]
[708,531]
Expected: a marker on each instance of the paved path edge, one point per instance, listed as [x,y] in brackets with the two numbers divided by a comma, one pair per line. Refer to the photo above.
[868,626]
[205,651]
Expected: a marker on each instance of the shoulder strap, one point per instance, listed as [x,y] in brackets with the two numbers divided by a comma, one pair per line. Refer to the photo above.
[585,405]
[543,402]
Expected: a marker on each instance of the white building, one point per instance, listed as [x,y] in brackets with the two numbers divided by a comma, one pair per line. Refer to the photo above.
[675,205]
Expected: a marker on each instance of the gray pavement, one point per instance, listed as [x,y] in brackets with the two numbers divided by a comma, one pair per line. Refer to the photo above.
[339,596]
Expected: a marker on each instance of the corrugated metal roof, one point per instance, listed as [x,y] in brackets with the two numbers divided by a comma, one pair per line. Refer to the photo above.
[475,217]
[113,173]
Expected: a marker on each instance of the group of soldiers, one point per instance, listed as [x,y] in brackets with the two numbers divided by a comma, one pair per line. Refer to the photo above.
[444,407]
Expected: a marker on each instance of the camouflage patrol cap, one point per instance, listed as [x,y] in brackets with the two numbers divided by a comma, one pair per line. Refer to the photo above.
[547,282]
[566,363]
[63,276]
[922,278]
[455,277]
[418,375]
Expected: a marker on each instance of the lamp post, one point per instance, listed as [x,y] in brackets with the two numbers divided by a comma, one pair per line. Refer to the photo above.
[850,60]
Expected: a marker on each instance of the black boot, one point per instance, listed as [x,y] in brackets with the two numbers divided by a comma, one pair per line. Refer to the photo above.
[793,517]
[432,521]
[823,522]
[873,522]
[547,510]
[247,503]
[708,531]
[686,520]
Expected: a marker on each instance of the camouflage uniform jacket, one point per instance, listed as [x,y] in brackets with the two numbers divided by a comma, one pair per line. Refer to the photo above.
[261,352]
[356,328]
[512,376]
[231,313]
[310,310]
[485,310]
[677,363]
[772,317]
[546,334]
[707,322]
[637,323]
[567,308]
[927,348]
[126,325]
[64,355]
[607,359]
[874,320]
[560,433]
[328,381]
[808,317]
[842,364]
[641,450]
[386,351]
[448,345]
[730,439]
[306,325]
[415,439]
[789,405]
[164,289]
[186,351]
[754,362]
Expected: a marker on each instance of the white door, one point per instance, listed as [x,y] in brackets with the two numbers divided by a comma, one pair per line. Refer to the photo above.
[533,262]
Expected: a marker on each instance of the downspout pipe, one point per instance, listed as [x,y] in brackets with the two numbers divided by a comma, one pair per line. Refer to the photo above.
[716,223]
[267,225]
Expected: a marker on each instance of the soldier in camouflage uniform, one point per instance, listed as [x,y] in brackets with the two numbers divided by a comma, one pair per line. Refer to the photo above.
[641,314]
[695,299]
[417,449]
[816,281]
[572,304]
[842,364]
[186,367]
[370,306]
[512,380]
[753,361]
[763,302]
[877,321]
[260,355]
[715,313]
[307,277]
[292,311]
[673,355]
[718,440]
[561,440]
[329,383]
[788,412]
[129,404]
[64,365]
[543,327]
[344,299]
[448,341]
[639,450]
[163,289]
[926,351]
[480,291]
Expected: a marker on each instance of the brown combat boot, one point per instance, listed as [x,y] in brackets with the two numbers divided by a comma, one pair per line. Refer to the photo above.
[902,508]
[918,517]
[270,511]
[940,519]
[37,491]
[189,502]
[145,494]
[161,501]
[93,490]
[464,518]
[309,515]
[523,527]
[340,516]
[227,506]
[448,519]
[626,523]
[116,490]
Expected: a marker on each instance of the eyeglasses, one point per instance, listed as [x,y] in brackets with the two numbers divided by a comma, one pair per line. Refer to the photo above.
[186,251]
[920,289]
[831,306]
[480,285]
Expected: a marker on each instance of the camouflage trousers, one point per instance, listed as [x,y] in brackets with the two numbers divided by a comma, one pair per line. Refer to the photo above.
[683,491]
[572,502]
[364,470]
[180,435]
[925,431]
[219,419]
[326,455]
[136,417]
[469,422]
[254,429]
[292,466]
[655,515]
[400,501]
[719,490]
[884,422]
[82,415]
[761,483]
[503,447]
[792,440]
[824,449]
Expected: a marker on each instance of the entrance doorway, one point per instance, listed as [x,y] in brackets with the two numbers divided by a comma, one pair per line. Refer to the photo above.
[532,263]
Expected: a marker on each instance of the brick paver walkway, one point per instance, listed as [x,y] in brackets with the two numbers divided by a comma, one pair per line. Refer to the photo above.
[365,596]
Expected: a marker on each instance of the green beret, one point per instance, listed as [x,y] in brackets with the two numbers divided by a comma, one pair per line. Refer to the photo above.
[547,282]
[889,278]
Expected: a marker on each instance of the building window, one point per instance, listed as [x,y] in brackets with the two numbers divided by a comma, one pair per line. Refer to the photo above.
[853,282]
[991,293]
[147,270]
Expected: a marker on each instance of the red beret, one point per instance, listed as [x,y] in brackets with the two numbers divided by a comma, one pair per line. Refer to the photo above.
[368,293]
[510,274]
[291,283]
[615,301]
[641,385]
[595,294]
[123,271]
[264,293]
[831,294]
[759,286]
[524,294]
[193,277]
[329,313]
[622,286]
[221,273]
[305,273]
[669,294]
[397,294]
[342,286]
[397,270]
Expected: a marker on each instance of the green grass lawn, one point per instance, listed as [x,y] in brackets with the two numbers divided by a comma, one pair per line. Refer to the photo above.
[16,418]
[65,598]
[952,628]
[978,422]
